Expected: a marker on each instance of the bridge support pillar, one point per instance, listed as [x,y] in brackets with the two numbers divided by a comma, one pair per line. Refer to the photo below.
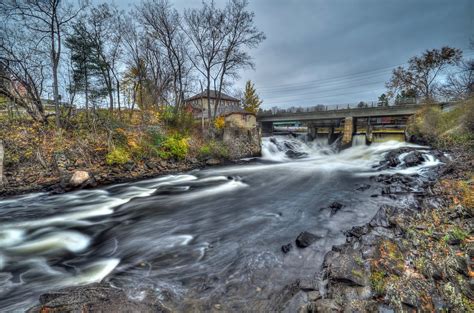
[348,130]
[331,135]
[267,128]
[312,131]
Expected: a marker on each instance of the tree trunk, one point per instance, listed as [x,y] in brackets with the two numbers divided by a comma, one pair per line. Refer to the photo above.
[209,114]
[2,154]
[86,92]
[55,62]
[118,94]
[56,95]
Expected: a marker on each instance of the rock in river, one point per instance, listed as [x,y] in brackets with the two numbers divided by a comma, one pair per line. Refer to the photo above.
[305,239]
[335,206]
[79,178]
[286,248]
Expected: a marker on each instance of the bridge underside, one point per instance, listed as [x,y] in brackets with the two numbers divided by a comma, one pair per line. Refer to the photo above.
[374,128]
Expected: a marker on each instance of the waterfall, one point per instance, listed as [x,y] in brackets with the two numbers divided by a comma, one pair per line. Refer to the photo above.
[358,140]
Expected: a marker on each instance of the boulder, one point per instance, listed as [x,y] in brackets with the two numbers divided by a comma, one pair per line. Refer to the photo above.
[325,305]
[363,187]
[305,239]
[286,248]
[297,303]
[381,218]
[213,162]
[96,298]
[335,206]
[348,268]
[79,178]
[295,154]
[412,159]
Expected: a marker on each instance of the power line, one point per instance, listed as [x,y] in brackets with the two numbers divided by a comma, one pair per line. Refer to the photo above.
[331,86]
[315,99]
[332,91]
[331,78]
[342,77]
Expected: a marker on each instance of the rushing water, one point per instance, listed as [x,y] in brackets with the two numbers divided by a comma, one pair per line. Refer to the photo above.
[197,239]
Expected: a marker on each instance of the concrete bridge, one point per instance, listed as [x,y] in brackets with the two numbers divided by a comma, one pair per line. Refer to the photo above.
[345,122]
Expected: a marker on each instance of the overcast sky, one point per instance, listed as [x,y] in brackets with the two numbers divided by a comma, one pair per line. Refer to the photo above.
[342,51]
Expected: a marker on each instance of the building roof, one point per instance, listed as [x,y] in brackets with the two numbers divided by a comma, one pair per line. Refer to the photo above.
[240,112]
[213,95]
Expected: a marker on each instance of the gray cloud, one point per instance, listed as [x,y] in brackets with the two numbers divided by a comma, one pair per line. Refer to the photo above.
[342,51]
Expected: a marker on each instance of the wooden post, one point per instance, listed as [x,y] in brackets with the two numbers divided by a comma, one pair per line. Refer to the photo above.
[2,154]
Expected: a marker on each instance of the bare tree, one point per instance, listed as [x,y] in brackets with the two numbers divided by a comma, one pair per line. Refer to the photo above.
[422,72]
[204,27]
[240,32]
[163,24]
[47,20]
[460,83]
[22,60]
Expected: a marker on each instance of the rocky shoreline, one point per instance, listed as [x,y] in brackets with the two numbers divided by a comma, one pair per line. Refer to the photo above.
[64,180]
[413,258]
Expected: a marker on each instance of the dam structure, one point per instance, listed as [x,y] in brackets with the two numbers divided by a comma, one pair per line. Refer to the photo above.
[375,123]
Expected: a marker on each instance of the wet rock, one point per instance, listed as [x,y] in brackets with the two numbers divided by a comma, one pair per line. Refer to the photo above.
[193,161]
[325,305]
[295,154]
[314,295]
[213,162]
[335,206]
[305,239]
[129,166]
[149,165]
[348,269]
[286,248]
[307,284]
[381,219]
[363,187]
[357,231]
[79,178]
[297,303]
[412,159]
[96,298]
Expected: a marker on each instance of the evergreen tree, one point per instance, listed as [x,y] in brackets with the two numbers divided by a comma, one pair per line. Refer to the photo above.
[251,100]
[84,69]
[383,100]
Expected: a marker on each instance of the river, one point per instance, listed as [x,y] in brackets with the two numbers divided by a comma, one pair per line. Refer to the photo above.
[205,237]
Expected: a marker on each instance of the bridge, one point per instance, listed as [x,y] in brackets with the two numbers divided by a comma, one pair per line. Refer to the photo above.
[345,122]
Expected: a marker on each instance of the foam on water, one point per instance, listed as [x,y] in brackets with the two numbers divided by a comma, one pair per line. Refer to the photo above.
[53,242]
[92,273]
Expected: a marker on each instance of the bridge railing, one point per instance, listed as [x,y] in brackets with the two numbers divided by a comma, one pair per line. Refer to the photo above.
[322,108]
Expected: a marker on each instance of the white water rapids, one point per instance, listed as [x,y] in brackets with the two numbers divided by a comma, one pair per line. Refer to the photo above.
[210,235]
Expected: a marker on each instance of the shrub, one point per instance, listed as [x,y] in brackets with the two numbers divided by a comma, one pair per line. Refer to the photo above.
[219,122]
[213,149]
[117,156]
[174,146]
[181,120]
[444,129]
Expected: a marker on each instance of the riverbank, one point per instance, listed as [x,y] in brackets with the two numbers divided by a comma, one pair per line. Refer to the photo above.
[418,257]
[38,158]
[101,175]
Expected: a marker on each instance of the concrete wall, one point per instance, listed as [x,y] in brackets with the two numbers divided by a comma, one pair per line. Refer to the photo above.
[241,120]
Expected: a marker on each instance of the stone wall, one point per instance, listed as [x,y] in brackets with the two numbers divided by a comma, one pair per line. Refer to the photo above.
[242,142]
